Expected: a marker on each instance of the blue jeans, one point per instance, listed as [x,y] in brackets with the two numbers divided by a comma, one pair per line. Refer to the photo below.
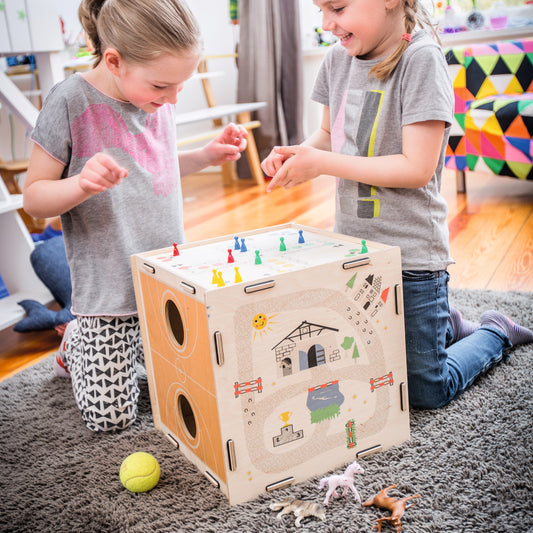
[437,370]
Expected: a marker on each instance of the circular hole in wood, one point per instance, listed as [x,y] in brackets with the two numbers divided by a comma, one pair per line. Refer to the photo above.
[187,415]
[175,322]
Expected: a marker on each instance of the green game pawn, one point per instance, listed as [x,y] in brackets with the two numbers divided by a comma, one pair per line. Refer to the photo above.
[282,247]
[257,258]
[364,249]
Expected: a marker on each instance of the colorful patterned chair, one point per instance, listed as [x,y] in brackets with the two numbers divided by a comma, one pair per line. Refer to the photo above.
[493,126]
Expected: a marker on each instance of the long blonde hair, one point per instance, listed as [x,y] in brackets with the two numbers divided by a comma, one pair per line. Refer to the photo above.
[415,13]
[139,30]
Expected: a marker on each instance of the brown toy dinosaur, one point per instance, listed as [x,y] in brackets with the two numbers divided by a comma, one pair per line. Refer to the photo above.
[396,506]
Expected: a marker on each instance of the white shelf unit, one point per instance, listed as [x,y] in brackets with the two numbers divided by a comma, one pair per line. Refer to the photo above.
[16,269]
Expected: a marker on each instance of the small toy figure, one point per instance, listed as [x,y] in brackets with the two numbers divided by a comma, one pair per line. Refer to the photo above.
[300,508]
[345,480]
[396,506]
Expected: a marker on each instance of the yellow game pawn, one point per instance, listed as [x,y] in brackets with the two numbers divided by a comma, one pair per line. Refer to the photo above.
[220,281]
[238,277]
[214,281]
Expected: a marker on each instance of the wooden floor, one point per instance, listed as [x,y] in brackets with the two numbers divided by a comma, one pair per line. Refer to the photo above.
[491,234]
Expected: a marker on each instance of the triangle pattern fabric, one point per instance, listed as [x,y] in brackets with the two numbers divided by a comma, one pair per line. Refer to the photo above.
[506,114]
[521,170]
[487,63]
[501,67]
[524,73]
[102,355]
[513,61]
[517,128]
[515,152]
[493,86]
[503,83]
[487,88]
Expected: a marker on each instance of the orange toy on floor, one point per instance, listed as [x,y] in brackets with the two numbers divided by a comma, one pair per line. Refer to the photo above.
[396,506]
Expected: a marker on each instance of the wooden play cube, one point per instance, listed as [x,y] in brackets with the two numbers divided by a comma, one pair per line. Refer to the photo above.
[281,365]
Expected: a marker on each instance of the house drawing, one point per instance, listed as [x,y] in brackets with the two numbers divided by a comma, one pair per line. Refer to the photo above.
[307,346]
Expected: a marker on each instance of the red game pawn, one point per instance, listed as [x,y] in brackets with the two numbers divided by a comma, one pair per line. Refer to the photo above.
[230,256]
[176,251]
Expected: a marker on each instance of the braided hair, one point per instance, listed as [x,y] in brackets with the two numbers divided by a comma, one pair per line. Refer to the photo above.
[415,13]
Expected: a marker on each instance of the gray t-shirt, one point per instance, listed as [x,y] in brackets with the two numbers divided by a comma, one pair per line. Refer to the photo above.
[367,116]
[143,213]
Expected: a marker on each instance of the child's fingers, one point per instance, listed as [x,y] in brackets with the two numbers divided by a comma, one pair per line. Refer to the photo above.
[272,164]
[279,179]
[235,134]
[286,151]
[100,173]
[92,181]
[110,165]
[232,152]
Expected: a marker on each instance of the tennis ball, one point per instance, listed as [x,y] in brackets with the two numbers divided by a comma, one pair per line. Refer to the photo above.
[139,472]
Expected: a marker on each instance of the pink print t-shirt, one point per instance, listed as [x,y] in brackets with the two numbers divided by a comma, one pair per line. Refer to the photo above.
[143,213]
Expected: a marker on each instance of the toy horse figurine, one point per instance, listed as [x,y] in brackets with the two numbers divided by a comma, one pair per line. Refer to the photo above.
[395,505]
[345,480]
[300,508]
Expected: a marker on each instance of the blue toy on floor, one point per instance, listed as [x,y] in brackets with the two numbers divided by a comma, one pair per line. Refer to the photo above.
[49,261]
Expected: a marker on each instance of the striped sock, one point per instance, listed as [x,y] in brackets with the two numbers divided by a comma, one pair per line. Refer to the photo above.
[517,334]
[461,328]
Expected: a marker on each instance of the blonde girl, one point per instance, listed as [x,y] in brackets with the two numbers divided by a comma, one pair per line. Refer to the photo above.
[105,159]
[388,107]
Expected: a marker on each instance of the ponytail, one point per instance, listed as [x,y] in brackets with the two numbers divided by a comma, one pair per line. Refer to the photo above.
[415,13]
[88,14]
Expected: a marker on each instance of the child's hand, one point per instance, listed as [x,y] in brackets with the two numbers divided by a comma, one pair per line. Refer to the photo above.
[298,164]
[273,162]
[227,146]
[100,173]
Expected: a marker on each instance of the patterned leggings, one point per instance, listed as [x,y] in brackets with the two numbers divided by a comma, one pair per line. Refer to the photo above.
[101,354]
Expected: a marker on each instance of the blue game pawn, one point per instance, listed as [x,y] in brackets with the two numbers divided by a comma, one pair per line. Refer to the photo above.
[257,258]
[282,247]
[301,239]
[243,246]
[237,245]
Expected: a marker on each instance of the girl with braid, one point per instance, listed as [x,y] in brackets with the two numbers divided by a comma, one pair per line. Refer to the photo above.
[105,159]
[388,107]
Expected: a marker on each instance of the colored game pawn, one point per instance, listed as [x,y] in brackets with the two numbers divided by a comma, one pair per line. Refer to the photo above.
[237,245]
[364,249]
[238,277]
[243,246]
[282,247]
[220,281]
[214,279]
[176,251]
[301,239]
[230,256]
[257,258]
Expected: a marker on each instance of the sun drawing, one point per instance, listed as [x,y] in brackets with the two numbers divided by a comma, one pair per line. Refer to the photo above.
[261,323]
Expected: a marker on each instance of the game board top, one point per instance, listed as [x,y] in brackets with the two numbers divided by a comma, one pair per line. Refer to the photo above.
[267,252]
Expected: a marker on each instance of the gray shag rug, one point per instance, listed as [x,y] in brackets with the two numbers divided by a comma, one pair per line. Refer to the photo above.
[470,461]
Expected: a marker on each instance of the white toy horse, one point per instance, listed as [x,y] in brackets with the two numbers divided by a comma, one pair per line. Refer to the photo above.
[345,480]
